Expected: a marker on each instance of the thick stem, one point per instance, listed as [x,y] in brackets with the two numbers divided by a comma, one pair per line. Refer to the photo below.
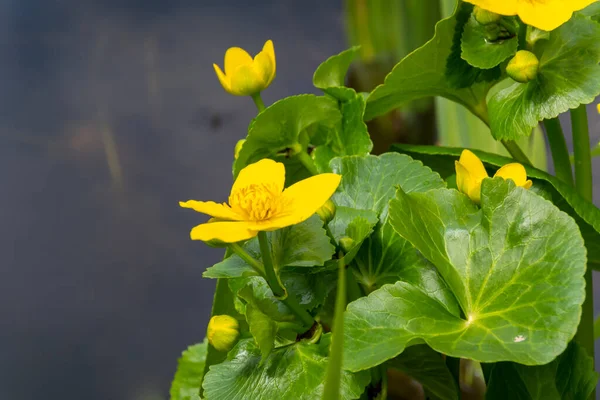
[558,148]
[516,152]
[581,147]
[258,101]
[583,183]
[243,254]
[308,162]
[275,284]
[334,368]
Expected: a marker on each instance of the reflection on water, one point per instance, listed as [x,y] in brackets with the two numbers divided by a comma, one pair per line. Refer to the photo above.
[110,114]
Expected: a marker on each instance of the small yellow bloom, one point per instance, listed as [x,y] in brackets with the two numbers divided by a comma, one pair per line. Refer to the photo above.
[470,172]
[245,76]
[327,211]
[222,332]
[542,14]
[258,202]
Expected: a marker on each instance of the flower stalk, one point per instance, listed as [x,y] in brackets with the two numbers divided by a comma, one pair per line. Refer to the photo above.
[583,183]
[275,284]
[258,101]
[308,162]
[558,148]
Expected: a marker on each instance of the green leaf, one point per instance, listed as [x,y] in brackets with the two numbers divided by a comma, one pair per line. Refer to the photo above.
[368,182]
[385,257]
[587,216]
[331,74]
[283,124]
[569,75]
[570,377]
[515,266]
[481,52]
[262,328]
[291,372]
[302,245]
[423,73]
[351,137]
[429,368]
[190,370]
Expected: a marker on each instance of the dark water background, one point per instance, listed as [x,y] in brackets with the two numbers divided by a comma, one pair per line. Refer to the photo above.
[110,113]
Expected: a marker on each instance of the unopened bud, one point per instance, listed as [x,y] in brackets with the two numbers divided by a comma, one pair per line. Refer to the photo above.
[485,17]
[346,243]
[222,332]
[327,211]
[523,67]
[238,148]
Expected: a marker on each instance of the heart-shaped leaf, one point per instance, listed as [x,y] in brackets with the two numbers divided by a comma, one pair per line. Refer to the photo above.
[481,52]
[515,266]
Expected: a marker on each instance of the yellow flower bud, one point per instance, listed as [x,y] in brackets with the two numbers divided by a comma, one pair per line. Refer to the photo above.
[245,76]
[222,332]
[523,67]
[327,211]
[485,17]
[238,148]
[470,172]
[346,243]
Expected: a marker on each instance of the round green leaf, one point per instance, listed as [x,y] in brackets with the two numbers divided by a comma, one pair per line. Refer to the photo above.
[515,266]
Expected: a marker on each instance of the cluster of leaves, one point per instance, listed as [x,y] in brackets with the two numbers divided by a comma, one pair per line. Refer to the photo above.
[431,276]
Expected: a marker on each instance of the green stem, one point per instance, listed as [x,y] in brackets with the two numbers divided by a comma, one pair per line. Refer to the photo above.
[275,284]
[516,152]
[581,147]
[558,148]
[308,162]
[583,183]
[258,101]
[334,368]
[243,254]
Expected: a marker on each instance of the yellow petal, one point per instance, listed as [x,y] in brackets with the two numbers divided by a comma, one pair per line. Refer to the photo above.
[473,164]
[222,78]
[547,15]
[246,81]
[265,171]
[462,177]
[270,51]
[228,232]
[264,67]
[219,211]
[474,192]
[301,201]
[503,7]
[514,171]
[234,57]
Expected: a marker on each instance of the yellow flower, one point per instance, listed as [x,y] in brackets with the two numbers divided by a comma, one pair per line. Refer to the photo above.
[470,172]
[222,332]
[258,203]
[245,76]
[542,14]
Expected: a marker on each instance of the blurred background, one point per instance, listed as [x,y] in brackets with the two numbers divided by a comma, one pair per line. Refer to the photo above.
[110,113]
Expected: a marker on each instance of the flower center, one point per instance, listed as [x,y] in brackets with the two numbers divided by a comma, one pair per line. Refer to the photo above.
[257,202]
